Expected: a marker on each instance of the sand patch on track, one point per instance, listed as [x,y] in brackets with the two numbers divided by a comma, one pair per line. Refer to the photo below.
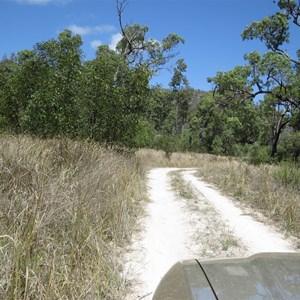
[207,225]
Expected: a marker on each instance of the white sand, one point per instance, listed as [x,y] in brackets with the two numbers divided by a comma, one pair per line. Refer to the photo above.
[256,236]
[168,232]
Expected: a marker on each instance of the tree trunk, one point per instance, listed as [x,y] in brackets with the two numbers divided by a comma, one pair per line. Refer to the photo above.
[276,133]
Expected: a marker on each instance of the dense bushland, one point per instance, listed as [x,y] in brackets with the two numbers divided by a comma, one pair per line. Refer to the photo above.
[51,91]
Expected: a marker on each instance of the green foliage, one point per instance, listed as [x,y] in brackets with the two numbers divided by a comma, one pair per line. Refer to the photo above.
[292,10]
[179,79]
[63,58]
[289,145]
[258,154]
[39,88]
[158,107]
[180,97]
[112,97]
[233,81]
[137,49]
[145,135]
[230,122]
[167,143]
[49,91]
[189,141]
[273,31]
[217,145]
[170,122]
[9,103]
[273,74]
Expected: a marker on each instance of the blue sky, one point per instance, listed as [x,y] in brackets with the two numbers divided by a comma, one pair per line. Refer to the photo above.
[211,28]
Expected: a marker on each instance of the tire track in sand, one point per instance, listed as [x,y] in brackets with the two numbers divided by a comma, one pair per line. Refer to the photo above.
[171,231]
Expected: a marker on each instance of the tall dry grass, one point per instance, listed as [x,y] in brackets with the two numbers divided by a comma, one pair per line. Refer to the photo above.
[66,210]
[273,189]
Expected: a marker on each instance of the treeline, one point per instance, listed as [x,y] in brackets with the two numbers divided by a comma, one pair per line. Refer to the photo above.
[199,121]
[51,91]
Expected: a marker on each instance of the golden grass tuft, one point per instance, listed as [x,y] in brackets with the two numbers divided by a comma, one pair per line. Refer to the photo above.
[66,210]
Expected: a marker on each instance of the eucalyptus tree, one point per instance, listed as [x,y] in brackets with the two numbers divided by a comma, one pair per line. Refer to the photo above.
[138,49]
[179,85]
[274,74]
[116,83]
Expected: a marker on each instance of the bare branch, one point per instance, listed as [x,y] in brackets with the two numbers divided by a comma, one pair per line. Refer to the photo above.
[121,5]
[284,53]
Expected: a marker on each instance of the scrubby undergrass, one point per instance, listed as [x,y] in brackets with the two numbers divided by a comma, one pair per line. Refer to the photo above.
[66,210]
[275,190]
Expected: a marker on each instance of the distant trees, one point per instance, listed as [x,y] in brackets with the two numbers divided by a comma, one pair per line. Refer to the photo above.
[225,124]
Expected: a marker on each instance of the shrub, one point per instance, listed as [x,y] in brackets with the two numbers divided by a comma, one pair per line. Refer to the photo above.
[258,154]
[217,146]
[289,146]
[145,135]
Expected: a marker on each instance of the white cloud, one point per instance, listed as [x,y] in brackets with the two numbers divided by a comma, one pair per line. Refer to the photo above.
[114,39]
[80,30]
[96,43]
[85,30]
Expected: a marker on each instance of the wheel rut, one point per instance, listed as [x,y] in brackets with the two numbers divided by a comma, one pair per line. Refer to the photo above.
[186,219]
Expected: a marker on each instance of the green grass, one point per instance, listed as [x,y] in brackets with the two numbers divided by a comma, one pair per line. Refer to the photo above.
[288,175]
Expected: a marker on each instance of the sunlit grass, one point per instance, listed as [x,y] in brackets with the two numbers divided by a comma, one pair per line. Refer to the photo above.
[66,210]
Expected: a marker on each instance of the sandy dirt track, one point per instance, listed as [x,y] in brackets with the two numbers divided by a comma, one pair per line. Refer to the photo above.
[174,228]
